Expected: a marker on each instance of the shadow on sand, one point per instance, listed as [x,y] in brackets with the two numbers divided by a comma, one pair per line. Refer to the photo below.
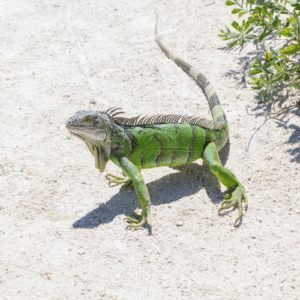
[189,180]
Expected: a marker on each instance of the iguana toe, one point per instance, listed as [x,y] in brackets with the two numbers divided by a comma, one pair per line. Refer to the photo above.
[127,184]
[141,219]
[235,199]
[137,223]
[118,180]
[136,215]
[131,220]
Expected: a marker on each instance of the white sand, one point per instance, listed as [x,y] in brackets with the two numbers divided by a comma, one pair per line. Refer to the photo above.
[62,233]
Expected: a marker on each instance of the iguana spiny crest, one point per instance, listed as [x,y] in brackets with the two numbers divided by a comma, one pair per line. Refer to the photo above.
[99,129]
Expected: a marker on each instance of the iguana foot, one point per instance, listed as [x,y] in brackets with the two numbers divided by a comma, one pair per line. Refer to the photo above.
[141,219]
[234,198]
[118,180]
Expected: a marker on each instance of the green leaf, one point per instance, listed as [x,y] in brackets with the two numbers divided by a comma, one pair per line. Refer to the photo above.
[258,62]
[269,32]
[228,3]
[228,30]
[251,20]
[277,78]
[291,49]
[295,15]
[242,13]
[234,35]
[262,35]
[232,44]
[294,85]
[297,31]
[250,36]
[295,19]
[275,65]
[264,10]
[255,71]
[273,52]
[247,25]
[236,10]
[260,2]
[292,1]
[271,13]
[235,25]
[263,95]
[249,30]
[276,22]
[257,9]
[286,32]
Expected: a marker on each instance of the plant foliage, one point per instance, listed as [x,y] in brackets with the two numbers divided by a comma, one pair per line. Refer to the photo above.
[279,66]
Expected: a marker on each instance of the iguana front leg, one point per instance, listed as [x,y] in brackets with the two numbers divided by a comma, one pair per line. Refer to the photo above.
[237,191]
[141,191]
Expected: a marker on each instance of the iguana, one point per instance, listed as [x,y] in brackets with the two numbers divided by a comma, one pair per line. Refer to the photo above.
[160,140]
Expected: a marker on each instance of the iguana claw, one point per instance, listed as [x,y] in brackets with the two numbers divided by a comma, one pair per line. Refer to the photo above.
[137,223]
[234,198]
[141,219]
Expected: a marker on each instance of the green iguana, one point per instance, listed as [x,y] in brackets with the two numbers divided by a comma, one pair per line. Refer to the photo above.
[156,141]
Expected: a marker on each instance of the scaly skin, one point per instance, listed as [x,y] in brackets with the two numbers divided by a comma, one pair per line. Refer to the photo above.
[172,140]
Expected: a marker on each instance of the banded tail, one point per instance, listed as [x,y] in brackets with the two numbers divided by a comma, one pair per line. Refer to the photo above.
[211,96]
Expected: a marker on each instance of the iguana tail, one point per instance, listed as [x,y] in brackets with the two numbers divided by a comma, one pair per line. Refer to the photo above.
[212,98]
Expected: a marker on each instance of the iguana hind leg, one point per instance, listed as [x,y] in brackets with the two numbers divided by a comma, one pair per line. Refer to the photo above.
[236,190]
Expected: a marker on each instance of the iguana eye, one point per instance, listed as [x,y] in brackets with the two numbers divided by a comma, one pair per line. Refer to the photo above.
[87,119]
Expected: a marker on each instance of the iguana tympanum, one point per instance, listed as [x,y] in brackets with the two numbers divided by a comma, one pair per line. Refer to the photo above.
[161,140]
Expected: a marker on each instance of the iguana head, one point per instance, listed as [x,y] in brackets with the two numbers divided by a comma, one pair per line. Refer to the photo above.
[94,128]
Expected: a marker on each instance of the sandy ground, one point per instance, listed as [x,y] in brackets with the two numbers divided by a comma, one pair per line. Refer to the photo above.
[62,229]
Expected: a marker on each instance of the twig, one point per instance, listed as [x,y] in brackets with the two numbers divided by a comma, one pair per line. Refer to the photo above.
[257,130]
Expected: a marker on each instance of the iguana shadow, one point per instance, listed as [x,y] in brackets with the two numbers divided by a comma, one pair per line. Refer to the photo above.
[188,181]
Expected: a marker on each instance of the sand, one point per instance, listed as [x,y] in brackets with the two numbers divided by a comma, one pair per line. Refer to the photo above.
[62,228]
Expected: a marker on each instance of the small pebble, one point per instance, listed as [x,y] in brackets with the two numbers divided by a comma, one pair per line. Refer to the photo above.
[81,251]
[179,223]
